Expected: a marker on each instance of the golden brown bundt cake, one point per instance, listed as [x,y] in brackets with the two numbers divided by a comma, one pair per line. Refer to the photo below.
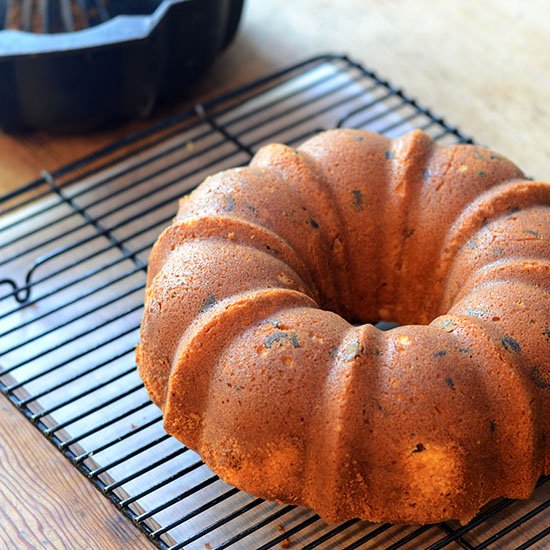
[256,345]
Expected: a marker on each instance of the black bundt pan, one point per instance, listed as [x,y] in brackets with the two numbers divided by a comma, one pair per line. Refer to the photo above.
[117,69]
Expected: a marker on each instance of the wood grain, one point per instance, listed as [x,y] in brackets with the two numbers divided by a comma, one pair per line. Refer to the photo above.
[485,66]
[45,502]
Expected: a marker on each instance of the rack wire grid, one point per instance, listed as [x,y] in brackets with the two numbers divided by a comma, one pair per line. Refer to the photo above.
[74,247]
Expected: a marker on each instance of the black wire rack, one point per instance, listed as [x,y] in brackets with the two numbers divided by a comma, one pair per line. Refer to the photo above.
[73,257]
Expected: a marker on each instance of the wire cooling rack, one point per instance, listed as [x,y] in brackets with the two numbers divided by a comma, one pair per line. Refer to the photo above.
[73,254]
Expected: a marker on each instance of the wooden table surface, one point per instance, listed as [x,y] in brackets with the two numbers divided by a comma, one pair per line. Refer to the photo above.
[485,66]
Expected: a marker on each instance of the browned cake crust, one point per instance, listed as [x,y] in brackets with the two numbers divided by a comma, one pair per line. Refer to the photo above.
[247,342]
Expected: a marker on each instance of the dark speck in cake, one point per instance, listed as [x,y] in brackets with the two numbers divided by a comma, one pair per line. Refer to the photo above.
[473,244]
[465,350]
[533,232]
[313,223]
[357,199]
[450,383]
[228,203]
[389,154]
[250,207]
[294,340]
[493,426]
[359,138]
[478,155]
[546,332]
[274,337]
[509,344]
[449,325]
[272,322]
[419,448]
[440,353]
[481,174]
[208,303]
[475,311]
[538,378]
[351,351]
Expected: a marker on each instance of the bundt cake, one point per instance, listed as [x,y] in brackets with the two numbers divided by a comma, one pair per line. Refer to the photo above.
[256,342]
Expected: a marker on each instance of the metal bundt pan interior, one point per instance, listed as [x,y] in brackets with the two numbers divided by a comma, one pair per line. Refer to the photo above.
[74,65]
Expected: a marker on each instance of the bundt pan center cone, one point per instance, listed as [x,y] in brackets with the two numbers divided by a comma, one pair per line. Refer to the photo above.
[256,342]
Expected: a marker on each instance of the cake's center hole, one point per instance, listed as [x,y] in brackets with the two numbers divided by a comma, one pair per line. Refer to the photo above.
[381,325]
[385,325]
